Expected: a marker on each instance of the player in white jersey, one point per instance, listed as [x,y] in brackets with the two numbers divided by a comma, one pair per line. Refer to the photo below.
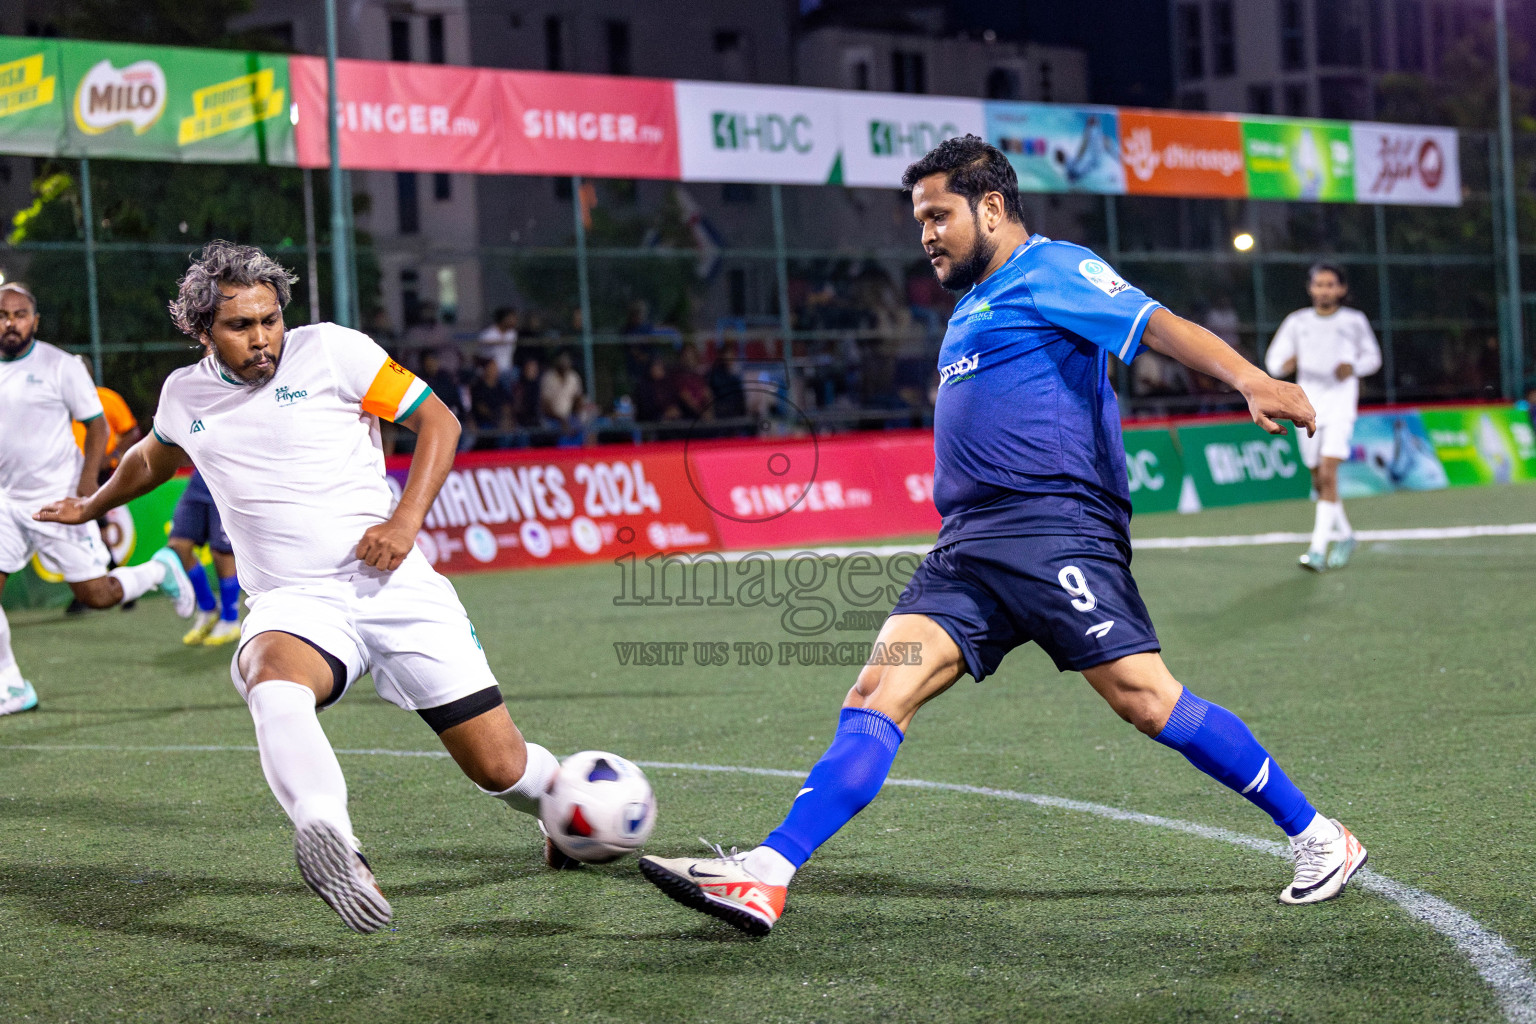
[43,389]
[284,428]
[1330,347]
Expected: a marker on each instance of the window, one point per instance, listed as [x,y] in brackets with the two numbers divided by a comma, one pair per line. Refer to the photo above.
[1340,33]
[1293,38]
[410,297]
[1294,99]
[1002,84]
[407,205]
[737,192]
[1223,39]
[442,186]
[1410,35]
[619,62]
[909,71]
[1191,43]
[1261,99]
[554,44]
[399,39]
[437,50]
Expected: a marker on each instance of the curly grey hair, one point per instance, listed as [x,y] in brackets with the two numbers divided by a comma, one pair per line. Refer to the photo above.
[224,263]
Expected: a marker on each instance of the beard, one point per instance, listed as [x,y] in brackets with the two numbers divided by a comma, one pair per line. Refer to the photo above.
[239,373]
[14,342]
[965,271]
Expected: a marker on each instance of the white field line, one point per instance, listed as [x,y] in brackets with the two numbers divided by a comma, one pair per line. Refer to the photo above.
[1173,543]
[1506,972]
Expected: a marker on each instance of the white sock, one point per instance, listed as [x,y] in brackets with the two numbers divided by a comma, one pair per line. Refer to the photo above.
[1341,528]
[1319,828]
[769,865]
[1322,525]
[524,796]
[296,757]
[138,580]
[10,672]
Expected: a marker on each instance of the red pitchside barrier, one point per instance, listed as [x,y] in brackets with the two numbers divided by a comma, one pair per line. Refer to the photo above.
[558,506]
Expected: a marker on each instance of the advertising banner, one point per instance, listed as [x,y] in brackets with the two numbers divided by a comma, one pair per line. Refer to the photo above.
[1155,469]
[512,510]
[803,491]
[1406,164]
[176,104]
[1182,155]
[1238,463]
[1307,160]
[595,125]
[729,132]
[394,116]
[1390,452]
[31,99]
[1059,149]
[881,133]
[1484,444]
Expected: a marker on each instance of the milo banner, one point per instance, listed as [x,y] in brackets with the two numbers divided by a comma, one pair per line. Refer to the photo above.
[174,104]
[1238,463]
[31,109]
[1156,470]
[1482,444]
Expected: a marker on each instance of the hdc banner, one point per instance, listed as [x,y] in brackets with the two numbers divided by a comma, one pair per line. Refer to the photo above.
[750,133]
[1155,469]
[165,103]
[882,133]
[1236,463]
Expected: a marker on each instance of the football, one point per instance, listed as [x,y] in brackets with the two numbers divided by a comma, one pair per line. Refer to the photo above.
[598,808]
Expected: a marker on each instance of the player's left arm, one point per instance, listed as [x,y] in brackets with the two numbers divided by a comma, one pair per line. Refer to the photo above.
[437,437]
[1269,400]
[95,448]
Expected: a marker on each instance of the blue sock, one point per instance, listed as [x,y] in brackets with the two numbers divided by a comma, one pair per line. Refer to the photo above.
[229,598]
[199,578]
[842,783]
[1218,743]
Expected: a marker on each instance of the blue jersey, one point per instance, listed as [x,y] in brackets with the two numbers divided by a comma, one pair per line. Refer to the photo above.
[1026,431]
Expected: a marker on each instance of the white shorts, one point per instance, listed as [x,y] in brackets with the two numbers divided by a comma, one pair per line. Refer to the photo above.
[406,627]
[1331,442]
[74,552]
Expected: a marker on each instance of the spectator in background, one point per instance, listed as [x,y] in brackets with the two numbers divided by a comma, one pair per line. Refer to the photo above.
[560,391]
[693,398]
[725,387]
[525,395]
[443,382]
[655,395]
[498,342]
[490,400]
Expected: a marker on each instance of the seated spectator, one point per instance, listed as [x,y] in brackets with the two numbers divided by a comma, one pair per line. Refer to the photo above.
[443,382]
[560,392]
[490,400]
[655,395]
[525,395]
[692,390]
[498,342]
[725,387]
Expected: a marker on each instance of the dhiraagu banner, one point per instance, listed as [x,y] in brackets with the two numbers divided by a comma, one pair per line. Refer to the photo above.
[165,103]
[31,108]
[1235,463]
[1306,160]
[1059,149]
[1485,444]
[1155,470]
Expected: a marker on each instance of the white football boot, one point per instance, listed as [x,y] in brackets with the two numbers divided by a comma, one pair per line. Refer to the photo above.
[339,875]
[176,585]
[719,886]
[1323,866]
[17,697]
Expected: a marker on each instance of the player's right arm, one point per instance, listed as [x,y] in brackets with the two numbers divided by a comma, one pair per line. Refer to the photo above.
[147,465]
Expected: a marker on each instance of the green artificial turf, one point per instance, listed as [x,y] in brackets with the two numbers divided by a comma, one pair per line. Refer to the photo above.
[151,884]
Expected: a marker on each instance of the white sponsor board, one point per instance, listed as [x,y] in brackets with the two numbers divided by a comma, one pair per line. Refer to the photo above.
[1406,164]
[733,132]
[884,132]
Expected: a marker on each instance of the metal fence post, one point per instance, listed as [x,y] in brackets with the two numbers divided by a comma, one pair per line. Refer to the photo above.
[781,272]
[89,219]
[311,252]
[1259,312]
[583,287]
[341,238]
[1513,350]
[1384,286]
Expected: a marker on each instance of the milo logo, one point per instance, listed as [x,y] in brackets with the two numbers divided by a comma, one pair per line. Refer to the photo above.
[108,96]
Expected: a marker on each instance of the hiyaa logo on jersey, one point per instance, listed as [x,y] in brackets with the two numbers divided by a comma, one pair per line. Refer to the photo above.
[1102,278]
[961,369]
[286,396]
[109,96]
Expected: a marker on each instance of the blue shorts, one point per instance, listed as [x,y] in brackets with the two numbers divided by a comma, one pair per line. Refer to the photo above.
[1074,596]
[197,520]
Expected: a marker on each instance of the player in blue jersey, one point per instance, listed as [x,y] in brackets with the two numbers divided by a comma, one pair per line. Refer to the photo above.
[195,523]
[1031,482]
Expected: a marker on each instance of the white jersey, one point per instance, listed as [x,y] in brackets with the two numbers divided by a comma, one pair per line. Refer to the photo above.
[41,392]
[1319,344]
[294,465]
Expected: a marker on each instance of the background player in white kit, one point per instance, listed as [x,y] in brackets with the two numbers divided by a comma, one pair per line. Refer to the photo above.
[1330,347]
[43,389]
[284,429]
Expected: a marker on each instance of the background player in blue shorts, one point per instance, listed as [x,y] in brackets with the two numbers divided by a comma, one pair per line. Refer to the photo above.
[195,523]
[1030,479]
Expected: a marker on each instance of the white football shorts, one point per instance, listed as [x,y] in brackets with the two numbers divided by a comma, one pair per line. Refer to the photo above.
[74,552]
[406,627]
[1331,441]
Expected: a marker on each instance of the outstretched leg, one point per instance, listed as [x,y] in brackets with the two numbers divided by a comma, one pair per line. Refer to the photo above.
[16,693]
